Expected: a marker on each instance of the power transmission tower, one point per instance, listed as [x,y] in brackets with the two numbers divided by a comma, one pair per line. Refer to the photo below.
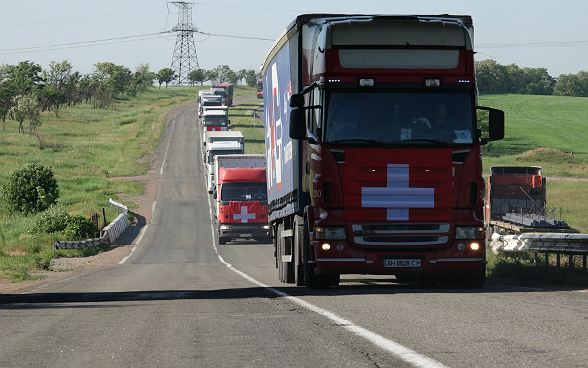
[184,59]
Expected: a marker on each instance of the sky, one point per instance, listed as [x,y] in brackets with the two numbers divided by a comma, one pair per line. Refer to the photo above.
[238,33]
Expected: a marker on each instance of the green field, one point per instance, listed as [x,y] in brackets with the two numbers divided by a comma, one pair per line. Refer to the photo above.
[86,147]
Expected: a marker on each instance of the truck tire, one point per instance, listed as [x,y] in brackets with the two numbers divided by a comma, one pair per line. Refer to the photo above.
[312,280]
[223,240]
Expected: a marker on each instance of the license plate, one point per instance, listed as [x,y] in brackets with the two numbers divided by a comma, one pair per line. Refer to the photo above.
[397,263]
[245,235]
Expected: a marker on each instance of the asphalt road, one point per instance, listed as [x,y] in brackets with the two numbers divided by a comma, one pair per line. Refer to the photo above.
[181,300]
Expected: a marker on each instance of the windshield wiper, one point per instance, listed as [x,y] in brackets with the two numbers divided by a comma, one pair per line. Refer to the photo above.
[434,141]
[360,141]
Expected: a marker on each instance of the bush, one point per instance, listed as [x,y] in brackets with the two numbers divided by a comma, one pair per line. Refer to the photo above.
[80,228]
[53,220]
[30,190]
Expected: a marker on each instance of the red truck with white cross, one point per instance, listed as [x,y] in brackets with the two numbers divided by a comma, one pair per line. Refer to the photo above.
[241,197]
[373,139]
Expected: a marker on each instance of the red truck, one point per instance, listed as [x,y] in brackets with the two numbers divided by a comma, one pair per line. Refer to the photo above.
[241,197]
[363,177]
[225,90]
[259,89]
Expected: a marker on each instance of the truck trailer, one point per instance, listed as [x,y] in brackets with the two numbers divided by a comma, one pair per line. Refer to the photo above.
[241,197]
[362,176]
[220,143]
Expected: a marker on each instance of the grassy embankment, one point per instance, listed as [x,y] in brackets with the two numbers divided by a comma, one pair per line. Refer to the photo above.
[84,146]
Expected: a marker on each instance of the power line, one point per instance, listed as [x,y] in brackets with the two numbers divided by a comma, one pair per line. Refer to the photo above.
[114,40]
[74,44]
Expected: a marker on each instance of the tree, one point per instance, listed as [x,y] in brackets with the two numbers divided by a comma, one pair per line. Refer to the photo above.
[491,77]
[31,189]
[165,75]
[212,76]
[538,81]
[568,85]
[25,107]
[197,76]
[251,78]
[241,74]
[21,79]
[224,74]
[143,78]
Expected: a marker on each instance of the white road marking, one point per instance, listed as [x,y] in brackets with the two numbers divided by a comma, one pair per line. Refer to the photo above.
[141,233]
[400,351]
[127,257]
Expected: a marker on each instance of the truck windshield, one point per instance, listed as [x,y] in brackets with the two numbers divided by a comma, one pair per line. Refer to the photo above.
[214,120]
[382,118]
[243,192]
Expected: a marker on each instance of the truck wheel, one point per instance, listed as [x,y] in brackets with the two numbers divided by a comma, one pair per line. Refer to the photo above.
[311,280]
[222,240]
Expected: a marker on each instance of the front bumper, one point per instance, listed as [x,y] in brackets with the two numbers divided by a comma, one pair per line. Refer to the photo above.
[442,261]
[244,230]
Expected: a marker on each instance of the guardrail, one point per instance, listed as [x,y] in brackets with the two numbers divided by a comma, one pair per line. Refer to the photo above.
[546,243]
[108,235]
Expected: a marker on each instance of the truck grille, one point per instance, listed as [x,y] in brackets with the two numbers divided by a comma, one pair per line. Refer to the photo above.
[401,234]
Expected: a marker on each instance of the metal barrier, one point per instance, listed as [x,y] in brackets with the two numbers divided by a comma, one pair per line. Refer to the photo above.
[108,235]
[569,244]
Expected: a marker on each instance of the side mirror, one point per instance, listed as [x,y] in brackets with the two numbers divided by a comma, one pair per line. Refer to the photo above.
[495,124]
[297,123]
[297,100]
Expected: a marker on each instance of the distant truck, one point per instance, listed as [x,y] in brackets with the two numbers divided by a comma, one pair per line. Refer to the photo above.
[358,183]
[241,197]
[208,100]
[516,202]
[225,90]
[516,218]
[220,143]
[214,118]
[259,89]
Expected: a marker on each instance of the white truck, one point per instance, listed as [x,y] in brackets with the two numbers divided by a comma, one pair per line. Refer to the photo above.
[208,100]
[214,118]
[220,143]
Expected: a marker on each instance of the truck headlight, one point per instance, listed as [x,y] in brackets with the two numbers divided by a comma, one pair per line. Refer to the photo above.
[225,227]
[330,233]
[462,232]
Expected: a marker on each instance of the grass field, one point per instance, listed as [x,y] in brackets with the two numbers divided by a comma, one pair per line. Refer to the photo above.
[86,147]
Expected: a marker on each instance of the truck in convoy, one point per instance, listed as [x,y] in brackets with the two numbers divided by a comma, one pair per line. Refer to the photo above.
[225,90]
[373,149]
[220,143]
[241,197]
[214,119]
[208,100]
[259,89]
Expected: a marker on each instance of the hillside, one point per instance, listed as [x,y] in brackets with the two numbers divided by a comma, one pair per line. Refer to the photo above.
[536,122]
